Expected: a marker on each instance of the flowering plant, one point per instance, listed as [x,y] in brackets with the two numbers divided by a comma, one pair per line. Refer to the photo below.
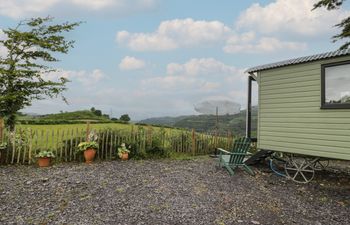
[122,150]
[45,154]
[86,145]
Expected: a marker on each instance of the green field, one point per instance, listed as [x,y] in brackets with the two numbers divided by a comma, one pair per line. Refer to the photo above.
[79,127]
[50,136]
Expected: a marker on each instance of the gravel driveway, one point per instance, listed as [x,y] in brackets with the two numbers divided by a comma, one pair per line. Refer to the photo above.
[167,192]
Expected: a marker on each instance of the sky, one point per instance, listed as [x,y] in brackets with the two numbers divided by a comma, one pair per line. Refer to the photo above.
[150,58]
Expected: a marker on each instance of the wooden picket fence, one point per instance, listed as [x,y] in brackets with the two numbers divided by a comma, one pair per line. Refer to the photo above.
[24,144]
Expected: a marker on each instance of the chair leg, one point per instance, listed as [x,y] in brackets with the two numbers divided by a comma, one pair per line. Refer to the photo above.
[230,170]
[249,170]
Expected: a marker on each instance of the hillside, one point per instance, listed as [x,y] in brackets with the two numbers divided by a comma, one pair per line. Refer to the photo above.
[207,123]
[64,118]
[165,121]
[77,115]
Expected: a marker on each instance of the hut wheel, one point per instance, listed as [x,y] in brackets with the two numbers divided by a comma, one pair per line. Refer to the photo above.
[300,170]
[321,164]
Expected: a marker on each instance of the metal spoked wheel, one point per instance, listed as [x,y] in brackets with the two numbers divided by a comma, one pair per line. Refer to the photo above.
[300,170]
[321,164]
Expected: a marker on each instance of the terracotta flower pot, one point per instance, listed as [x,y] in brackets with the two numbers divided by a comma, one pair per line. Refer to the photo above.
[125,156]
[89,155]
[44,161]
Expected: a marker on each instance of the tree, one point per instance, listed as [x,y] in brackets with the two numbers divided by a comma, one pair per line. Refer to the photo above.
[98,112]
[344,25]
[31,46]
[125,118]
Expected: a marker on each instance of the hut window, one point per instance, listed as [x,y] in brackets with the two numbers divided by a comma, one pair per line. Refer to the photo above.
[335,85]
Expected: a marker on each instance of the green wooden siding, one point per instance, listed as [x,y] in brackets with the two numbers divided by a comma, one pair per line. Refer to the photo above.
[290,118]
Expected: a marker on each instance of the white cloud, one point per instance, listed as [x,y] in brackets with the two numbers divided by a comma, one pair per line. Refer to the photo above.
[84,77]
[180,83]
[173,34]
[27,8]
[131,63]
[247,44]
[201,66]
[196,75]
[95,4]
[289,16]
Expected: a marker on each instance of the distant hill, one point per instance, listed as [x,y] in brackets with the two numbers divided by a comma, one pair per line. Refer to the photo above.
[165,121]
[76,115]
[207,123]
[64,118]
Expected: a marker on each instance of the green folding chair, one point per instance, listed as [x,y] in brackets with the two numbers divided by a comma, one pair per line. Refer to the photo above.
[235,158]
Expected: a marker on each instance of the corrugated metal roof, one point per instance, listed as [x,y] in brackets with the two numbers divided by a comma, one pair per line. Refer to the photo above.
[299,60]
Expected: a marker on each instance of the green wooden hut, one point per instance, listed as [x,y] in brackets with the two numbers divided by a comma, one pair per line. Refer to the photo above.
[304,105]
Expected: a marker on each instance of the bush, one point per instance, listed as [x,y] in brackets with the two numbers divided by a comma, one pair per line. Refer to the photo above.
[157,153]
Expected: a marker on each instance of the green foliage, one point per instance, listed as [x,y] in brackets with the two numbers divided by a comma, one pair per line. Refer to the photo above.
[98,112]
[235,124]
[76,115]
[166,121]
[329,4]
[30,46]
[157,152]
[344,25]
[19,139]
[122,150]
[3,146]
[45,154]
[125,118]
[86,145]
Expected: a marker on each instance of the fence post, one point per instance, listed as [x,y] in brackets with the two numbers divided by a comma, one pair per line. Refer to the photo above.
[1,129]
[87,130]
[193,143]
[149,136]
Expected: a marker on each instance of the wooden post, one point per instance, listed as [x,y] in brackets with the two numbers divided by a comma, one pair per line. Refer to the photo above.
[87,131]
[1,128]
[193,142]
[149,136]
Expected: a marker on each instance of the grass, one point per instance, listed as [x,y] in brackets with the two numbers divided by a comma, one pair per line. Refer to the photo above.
[51,136]
[61,127]
[63,138]
[94,126]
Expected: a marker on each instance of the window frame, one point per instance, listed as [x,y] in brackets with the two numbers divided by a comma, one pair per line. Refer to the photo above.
[325,105]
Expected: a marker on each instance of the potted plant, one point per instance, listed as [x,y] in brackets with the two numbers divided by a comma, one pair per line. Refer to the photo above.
[89,148]
[123,152]
[44,158]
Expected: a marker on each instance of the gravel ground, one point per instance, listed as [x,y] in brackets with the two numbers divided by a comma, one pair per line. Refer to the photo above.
[167,192]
